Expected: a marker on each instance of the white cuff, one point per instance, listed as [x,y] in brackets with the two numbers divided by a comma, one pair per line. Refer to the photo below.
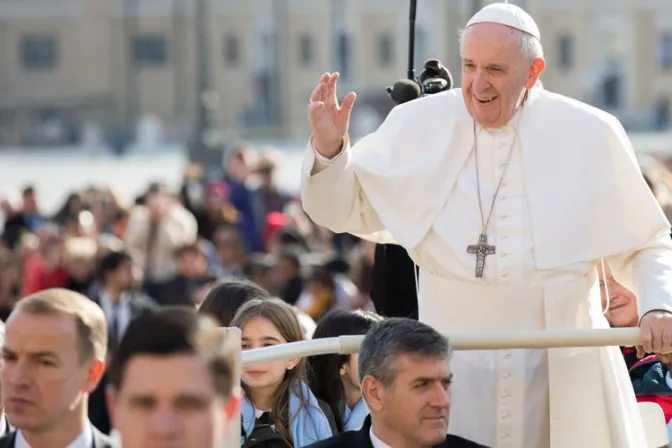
[323,160]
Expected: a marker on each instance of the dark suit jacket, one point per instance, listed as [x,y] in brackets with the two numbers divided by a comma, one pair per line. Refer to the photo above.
[393,286]
[140,304]
[100,440]
[362,439]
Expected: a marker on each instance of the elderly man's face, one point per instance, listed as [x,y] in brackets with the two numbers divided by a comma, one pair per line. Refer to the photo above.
[416,406]
[179,408]
[495,73]
[622,307]
[44,377]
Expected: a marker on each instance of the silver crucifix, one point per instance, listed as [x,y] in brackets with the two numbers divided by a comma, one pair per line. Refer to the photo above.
[482,250]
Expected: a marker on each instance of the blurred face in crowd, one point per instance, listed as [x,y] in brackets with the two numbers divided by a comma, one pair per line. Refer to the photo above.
[192,264]
[285,270]
[495,73]
[178,408]
[157,204]
[257,333]
[350,376]
[30,202]
[53,253]
[415,407]
[45,376]
[125,276]
[622,306]
[229,247]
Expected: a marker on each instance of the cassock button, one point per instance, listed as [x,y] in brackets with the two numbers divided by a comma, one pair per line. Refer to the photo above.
[505,415]
[503,254]
[504,217]
[505,275]
[504,395]
[506,355]
[504,436]
[506,375]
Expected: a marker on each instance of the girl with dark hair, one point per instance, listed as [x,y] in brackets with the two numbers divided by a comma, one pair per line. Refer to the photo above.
[278,402]
[224,299]
[334,378]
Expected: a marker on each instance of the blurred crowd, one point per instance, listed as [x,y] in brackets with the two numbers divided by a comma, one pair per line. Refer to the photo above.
[239,226]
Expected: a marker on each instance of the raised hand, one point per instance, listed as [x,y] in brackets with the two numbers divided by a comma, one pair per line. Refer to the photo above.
[328,120]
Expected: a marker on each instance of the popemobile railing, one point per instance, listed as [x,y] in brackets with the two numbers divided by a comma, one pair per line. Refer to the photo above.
[458,341]
[652,415]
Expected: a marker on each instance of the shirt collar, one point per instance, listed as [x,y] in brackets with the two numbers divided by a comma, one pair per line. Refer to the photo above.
[4,429]
[107,300]
[84,440]
[375,441]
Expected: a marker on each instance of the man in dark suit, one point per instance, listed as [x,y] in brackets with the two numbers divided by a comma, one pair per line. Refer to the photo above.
[121,303]
[404,370]
[172,382]
[5,427]
[54,356]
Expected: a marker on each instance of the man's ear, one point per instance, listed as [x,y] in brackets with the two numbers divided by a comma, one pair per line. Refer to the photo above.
[536,70]
[94,374]
[373,392]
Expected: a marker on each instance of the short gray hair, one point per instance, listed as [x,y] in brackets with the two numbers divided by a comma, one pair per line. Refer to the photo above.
[530,47]
[393,337]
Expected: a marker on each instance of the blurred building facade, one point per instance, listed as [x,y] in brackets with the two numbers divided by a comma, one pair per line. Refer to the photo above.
[110,62]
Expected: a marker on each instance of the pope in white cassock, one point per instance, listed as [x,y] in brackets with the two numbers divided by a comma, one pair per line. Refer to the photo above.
[507,196]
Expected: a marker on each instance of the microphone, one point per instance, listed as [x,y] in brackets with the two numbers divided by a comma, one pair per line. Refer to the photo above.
[435,78]
[404,90]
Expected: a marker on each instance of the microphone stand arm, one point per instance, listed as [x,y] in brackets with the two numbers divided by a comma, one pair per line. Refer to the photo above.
[411,39]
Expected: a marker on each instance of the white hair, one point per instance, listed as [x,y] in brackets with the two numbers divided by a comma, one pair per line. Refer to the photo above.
[530,47]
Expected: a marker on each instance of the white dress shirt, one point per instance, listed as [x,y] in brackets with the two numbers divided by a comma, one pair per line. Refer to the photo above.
[376,442]
[123,312]
[3,424]
[85,439]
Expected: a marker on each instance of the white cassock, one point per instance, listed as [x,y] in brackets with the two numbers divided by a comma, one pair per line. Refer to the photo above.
[573,194]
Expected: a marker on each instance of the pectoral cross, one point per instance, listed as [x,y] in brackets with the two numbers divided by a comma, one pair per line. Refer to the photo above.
[482,250]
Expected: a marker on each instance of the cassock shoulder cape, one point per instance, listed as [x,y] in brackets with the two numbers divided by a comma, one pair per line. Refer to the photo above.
[587,196]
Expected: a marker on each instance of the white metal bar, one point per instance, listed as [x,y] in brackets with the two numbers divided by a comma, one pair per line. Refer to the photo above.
[458,341]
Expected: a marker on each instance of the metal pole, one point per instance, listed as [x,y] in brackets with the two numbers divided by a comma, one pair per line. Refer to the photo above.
[458,341]
[129,15]
[177,13]
[201,150]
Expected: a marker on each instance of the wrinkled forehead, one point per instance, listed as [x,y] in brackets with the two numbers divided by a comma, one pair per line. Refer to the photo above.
[490,39]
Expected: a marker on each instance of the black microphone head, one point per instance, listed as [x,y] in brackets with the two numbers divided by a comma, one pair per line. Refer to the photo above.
[405,90]
[436,77]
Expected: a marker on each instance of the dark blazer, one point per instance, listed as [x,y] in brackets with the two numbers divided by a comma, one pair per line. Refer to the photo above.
[140,304]
[393,289]
[362,439]
[100,440]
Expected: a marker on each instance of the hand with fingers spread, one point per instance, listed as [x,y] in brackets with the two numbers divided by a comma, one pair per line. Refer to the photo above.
[656,327]
[328,120]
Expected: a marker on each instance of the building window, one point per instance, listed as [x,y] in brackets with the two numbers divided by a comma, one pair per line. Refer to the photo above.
[385,50]
[566,52]
[305,50]
[150,50]
[38,52]
[343,55]
[665,51]
[232,50]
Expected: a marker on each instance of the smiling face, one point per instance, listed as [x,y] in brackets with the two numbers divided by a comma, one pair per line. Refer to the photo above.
[622,307]
[259,332]
[495,73]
